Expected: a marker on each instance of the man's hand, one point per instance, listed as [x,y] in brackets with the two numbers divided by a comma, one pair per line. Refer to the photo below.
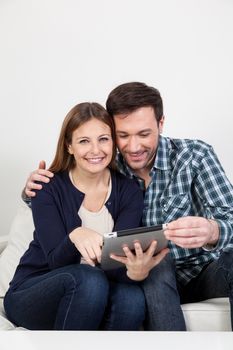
[192,232]
[139,264]
[40,174]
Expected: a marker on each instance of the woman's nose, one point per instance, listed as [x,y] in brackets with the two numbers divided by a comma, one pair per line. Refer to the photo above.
[95,148]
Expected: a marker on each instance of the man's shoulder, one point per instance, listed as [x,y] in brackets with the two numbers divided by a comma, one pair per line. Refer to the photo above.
[192,145]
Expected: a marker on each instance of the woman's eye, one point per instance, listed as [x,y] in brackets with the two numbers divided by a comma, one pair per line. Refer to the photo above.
[104,139]
[83,141]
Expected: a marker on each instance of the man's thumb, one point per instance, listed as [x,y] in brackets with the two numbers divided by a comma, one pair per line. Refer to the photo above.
[42,164]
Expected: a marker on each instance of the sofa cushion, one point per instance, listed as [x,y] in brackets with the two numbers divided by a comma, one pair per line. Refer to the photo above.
[5,324]
[21,234]
[208,315]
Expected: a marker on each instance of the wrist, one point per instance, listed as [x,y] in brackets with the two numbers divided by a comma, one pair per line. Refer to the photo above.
[214,229]
[72,235]
[214,235]
[136,276]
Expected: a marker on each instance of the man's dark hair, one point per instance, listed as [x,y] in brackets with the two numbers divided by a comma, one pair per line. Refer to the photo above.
[128,97]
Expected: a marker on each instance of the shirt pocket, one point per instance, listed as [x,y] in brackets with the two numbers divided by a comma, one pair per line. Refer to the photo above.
[175,206]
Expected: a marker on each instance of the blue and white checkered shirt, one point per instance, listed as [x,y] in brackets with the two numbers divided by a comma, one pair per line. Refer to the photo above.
[187,180]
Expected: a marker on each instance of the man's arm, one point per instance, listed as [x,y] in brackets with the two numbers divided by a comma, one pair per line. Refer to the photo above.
[215,192]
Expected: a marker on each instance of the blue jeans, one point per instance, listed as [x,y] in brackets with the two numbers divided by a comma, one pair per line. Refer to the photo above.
[164,312]
[75,297]
[164,295]
[215,281]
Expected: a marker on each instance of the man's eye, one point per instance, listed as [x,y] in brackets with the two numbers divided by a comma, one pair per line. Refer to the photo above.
[144,135]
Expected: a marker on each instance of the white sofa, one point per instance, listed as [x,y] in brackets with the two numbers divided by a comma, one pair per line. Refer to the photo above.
[209,315]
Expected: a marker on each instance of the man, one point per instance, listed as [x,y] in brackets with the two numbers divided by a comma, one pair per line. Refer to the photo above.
[185,187]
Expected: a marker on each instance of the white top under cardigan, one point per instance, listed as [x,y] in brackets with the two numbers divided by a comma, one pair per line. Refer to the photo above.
[100,221]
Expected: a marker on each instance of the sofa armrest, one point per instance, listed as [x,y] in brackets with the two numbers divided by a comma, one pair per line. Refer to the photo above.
[3,242]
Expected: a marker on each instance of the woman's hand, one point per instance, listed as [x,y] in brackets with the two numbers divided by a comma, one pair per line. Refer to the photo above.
[88,243]
[139,264]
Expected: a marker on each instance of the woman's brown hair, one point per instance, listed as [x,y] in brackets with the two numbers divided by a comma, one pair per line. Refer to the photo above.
[77,116]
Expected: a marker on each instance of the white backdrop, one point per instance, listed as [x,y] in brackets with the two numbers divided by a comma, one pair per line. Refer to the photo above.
[56,53]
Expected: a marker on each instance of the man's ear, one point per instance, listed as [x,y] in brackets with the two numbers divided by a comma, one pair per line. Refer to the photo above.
[161,124]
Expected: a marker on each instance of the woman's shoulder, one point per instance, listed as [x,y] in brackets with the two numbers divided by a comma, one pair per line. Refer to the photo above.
[122,180]
[58,181]
[118,176]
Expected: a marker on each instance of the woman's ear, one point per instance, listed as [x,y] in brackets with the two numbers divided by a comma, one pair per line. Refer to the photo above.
[69,149]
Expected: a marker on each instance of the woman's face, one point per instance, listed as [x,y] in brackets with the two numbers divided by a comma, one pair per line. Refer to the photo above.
[92,146]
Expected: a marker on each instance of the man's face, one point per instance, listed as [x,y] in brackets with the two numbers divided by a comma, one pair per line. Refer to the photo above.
[137,137]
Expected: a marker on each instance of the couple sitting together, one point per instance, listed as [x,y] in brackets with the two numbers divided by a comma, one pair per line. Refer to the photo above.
[114,170]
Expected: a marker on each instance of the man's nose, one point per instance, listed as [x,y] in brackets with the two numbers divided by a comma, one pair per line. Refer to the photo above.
[133,144]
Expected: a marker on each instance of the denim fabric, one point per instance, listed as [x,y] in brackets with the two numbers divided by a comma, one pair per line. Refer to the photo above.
[75,297]
[226,267]
[162,298]
[126,309]
[215,281]
[211,283]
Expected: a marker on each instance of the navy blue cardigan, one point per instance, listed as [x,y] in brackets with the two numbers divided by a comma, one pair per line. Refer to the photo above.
[55,209]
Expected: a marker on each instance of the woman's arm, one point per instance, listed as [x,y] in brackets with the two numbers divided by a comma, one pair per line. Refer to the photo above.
[51,229]
[58,229]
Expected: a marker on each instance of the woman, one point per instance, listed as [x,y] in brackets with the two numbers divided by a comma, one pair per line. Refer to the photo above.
[58,284]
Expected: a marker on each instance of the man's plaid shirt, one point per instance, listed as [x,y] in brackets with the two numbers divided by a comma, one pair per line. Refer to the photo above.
[187,180]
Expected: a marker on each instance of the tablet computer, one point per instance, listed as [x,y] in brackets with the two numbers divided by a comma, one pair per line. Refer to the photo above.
[113,242]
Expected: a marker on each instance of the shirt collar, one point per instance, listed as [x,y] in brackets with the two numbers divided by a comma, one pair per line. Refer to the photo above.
[123,167]
[162,159]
